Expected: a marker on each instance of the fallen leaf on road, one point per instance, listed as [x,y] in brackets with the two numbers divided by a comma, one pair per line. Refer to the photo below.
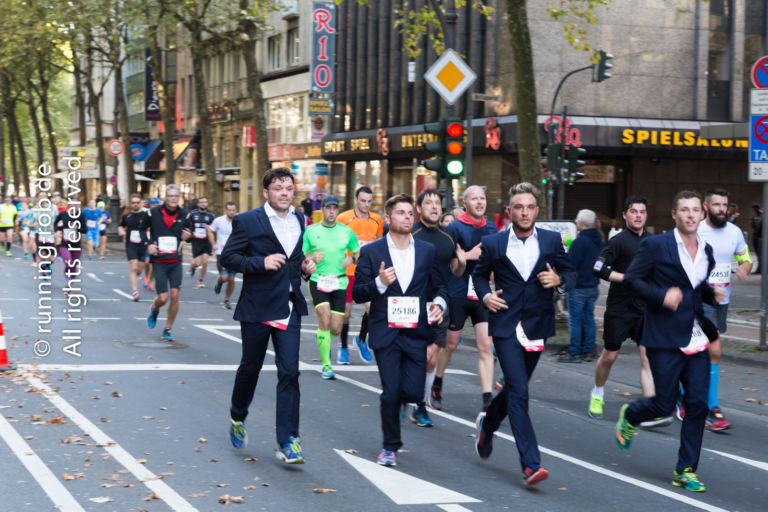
[351,450]
[106,457]
[224,500]
[117,394]
[472,435]
[202,440]
[562,488]
[74,476]
[364,405]
[750,372]
[141,461]
[112,478]
[14,338]
[315,360]
[222,485]
[252,459]
[265,484]
[28,438]
[751,400]
[321,490]
[147,417]
[163,408]
[101,499]
[237,499]
[250,487]
[198,447]
[151,497]
[627,393]
[213,460]
[197,495]
[104,420]
[107,383]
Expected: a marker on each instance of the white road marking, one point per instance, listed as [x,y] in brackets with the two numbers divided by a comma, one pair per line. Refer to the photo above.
[62,499]
[401,488]
[121,292]
[142,474]
[141,367]
[754,463]
[453,508]
[109,273]
[84,318]
[94,277]
[9,298]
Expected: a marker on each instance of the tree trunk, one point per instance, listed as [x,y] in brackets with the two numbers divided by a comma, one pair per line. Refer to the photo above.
[9,107]
[22,179]
[166,106]
[528,145]
[95,101]
[253,83]
[125,136]
[79,101]
[3,180]
[35,125]
[204,122]
[50,133]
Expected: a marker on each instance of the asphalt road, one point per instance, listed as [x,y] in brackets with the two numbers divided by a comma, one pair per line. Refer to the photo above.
[139,424]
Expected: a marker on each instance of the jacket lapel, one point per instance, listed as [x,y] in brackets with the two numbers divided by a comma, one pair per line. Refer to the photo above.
[299,242]
[261,215]
[674,256]
[503,247]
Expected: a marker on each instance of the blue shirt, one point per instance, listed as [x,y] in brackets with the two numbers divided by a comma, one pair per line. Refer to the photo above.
[467,237]
[92,216]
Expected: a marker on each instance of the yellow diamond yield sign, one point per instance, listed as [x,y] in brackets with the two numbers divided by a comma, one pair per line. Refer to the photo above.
[450,76]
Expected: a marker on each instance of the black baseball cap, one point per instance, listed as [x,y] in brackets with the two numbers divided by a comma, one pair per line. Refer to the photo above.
[330,199]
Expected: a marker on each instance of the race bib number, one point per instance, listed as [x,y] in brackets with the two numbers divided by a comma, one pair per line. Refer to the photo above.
[167,244]
[720,275]
[91,224]
[403,312]
[699,341]
[200,233]
[281,324]
[528,345]
[44,238]
[68,235]
[135,237]
[471,293]
[102,227]
[328,283]
[6,221]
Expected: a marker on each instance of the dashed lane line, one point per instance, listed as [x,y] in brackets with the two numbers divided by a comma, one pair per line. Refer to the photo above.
[95,277]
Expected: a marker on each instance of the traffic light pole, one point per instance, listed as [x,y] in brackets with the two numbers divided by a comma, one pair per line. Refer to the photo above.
[561,177]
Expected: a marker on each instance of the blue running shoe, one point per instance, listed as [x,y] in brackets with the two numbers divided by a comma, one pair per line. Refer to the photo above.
[237,434]
[328,372]
[152,318]
[420,416]
[365,352]
[167,336]
[343,356]
[290,452]
[387,458]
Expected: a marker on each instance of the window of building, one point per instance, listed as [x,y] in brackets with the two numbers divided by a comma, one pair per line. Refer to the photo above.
[719,69]
[274,52]
[293,47]
[134,66]
[170,66]
[135,103]
[287,120]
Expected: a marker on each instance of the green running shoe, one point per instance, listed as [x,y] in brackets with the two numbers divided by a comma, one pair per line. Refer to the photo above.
[595,407]
[688,481]
[624,430]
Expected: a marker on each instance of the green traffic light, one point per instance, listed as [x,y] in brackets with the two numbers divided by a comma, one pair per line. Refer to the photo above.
[455,167]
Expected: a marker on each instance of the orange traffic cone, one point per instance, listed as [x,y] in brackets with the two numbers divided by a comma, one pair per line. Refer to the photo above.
[4,364]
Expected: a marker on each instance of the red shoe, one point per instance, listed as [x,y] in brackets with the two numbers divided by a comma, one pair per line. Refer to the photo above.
[716,420]
[534,474]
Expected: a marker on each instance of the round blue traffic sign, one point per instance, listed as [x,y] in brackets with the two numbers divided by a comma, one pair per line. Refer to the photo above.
[760,73]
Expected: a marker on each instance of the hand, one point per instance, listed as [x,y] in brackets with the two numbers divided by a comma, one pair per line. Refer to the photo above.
[308,267]
[461,255]
[274,261]
[186,234]
[719,292]
[474,253]
[387,275]
[121,230]
[549,278]
[435,314]
[152,249]
[494,302]
[347,261]
[741,272]
[317,257]
[673,298]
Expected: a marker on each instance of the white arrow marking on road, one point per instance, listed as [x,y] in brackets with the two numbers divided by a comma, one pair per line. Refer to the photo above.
[755,463]
[401,488]
[93,276]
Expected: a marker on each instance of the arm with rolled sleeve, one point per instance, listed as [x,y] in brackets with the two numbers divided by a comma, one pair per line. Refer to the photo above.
[236,255]
[638,272]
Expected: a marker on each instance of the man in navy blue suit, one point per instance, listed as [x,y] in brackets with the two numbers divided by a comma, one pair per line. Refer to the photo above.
[527,263]
[398,275]
[670,273]
[265,246]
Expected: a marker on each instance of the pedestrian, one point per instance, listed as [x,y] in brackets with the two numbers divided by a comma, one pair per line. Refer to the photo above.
[265,247]
[167,229]
[218,233]
[502,218]
[623,309]
[528,264]
[400,278]
[733,213]
[757,233]
[198,222]
[446,219]
[306,205]
[133,228]
[670,273]
[581,300]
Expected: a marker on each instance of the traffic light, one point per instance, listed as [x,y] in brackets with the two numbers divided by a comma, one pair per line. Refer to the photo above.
[551,164]
[454,148]
[438,147]
[574,164]
[602,66]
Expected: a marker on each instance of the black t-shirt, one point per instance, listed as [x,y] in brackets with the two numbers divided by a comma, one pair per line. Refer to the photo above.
[135,222]
[197,223]
[70,227]
[306,205]
[445,246]
[616,255]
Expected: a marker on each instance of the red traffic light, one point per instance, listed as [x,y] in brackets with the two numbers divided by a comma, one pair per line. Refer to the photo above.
[455,130]
[455,148]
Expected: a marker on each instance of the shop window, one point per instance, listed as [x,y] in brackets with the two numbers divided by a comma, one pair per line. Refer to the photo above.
[293,47]
[274,52]
[287,120]
[719,70]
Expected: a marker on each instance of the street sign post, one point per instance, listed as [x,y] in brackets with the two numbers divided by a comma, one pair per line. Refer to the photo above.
[450,76]
[760,73]
[758,171]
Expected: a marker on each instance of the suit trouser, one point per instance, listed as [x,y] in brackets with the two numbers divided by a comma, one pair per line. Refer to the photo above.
[255,336]
[402,368]
[517,366]
[670,367]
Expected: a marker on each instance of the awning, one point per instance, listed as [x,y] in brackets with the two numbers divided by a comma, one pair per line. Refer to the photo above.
[180,145]
[143,152]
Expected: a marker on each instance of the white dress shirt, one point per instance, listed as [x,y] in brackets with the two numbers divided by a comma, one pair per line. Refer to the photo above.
[404,262]
[696,268]
[523,255]
[287,230]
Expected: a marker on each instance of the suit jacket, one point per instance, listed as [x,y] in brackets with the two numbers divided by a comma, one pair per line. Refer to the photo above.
[527,301]
[265,293]
[426,284]
[655,268]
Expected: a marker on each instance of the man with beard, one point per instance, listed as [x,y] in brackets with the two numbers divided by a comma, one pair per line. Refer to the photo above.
[727,243]
[198,222]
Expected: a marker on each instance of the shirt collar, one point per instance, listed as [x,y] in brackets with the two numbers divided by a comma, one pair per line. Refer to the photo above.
[272,213]
[513,236]
[679,239]
[391,243]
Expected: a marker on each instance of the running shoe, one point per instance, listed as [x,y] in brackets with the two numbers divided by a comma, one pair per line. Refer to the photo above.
[688,481]
[192,269]
[198,285]
[217,287]
[436,399]
[403,412]
[420,416]
[343,356]
[9,254]
[101,257]
[483,441]
[716,420]
[152,318]
[237,434]
[534,474]
[662,421]
[680,410]
[89,257]
[500,383]
[624,430]
[290,452]
[26,255]
[167,336]
[328,372]
[387,458]
[362,348]
[135,295]
[152,288]
[595,406]
[226,304]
